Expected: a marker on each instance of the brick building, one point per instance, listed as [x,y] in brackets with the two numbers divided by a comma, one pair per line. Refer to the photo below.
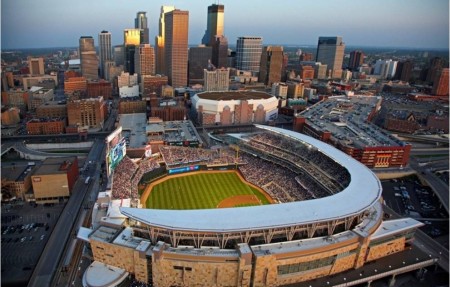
[440,83]
[46,126]
[75,84]
[88,113]
[52,109]
[132,106]
[16,181]
[99,88]
[18,98]
[10,116]
[174,113]
[152,85]
[306,72]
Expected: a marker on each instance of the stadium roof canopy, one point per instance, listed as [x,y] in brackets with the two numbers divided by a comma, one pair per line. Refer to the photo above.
[363,191]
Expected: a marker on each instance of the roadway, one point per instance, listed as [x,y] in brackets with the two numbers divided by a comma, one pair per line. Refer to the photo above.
[49,261]
[437,185]
[425,138]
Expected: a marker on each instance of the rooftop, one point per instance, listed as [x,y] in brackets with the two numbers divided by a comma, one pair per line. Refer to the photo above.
[234,95]
[126,238]
[15,173]
[105,234]
[54,165]
[346,119]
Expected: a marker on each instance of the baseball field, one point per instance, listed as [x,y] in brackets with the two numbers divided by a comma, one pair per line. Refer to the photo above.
[201,190]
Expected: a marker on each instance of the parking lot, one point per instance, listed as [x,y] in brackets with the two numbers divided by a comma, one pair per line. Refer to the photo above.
[25,231]
[408,197]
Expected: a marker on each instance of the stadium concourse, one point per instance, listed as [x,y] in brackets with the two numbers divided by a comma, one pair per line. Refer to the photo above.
[329,218]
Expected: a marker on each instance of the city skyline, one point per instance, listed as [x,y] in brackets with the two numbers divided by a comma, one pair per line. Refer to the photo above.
[413,24]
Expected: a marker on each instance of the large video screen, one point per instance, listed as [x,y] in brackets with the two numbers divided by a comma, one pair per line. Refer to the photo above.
[116,154]
[115,150]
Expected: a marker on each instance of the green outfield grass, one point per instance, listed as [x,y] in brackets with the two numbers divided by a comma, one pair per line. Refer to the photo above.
[197,191]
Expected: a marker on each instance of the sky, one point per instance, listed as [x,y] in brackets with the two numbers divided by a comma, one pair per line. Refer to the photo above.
[375,23]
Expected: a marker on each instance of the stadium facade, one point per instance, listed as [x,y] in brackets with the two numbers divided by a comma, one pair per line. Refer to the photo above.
[234,107]
[267,245]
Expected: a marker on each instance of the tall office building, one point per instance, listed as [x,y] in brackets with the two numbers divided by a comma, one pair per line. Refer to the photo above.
[248,53]
[220,52]
[119,55]
[404,71]
[160,41]
[88,58]
[436,64]
[141,23]
[440,83]
[385,68]
[176,47]
[104,42]
[330,51]
[144,60]
[356,59]
[198,60]
[131,39]
[271,65]
[214,25]
[36,66]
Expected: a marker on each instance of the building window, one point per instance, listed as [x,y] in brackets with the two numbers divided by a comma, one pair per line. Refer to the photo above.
[305,266]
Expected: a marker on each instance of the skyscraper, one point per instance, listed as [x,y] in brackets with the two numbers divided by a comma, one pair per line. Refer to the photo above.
[248,53]
[144,60]
[214,36]
[330,51]
[176,47]
[404,71]
[356,59]
[141,23]
[88,58]
[198,60]
[131,39]
[160,41]
[271,65]
[119,54]
[214,25]
[440,83]
[104,42]
[435,65]
[220,52]
[36,66]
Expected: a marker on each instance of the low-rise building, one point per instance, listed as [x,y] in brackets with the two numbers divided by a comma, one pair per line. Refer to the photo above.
[46,126]
[53,181]
[10,116]
[16,181]
[52,109]
[344,122]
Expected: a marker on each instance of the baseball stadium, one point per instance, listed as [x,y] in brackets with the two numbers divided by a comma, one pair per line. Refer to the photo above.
[267,208]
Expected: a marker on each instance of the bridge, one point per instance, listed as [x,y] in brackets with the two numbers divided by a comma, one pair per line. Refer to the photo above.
[32,154]
[428,139]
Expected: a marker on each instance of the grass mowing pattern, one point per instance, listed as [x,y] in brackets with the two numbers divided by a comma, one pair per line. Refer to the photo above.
[197,191]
